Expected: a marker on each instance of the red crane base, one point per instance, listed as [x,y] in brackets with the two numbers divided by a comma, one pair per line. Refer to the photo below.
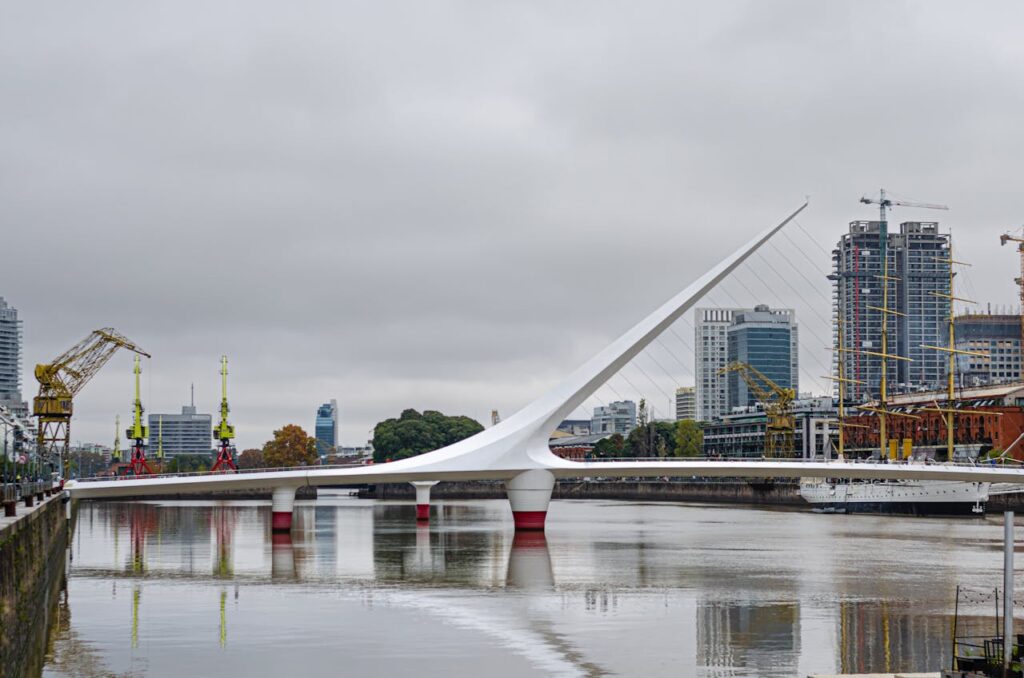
[225,460]
[138,464]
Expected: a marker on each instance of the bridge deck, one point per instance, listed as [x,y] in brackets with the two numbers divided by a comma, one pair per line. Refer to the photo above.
[382,473]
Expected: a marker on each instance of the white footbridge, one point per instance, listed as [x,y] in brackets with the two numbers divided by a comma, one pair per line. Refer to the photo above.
[516,449]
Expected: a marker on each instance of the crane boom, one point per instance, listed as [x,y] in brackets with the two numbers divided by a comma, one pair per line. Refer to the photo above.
[62,379]
[778,407]
[885,203]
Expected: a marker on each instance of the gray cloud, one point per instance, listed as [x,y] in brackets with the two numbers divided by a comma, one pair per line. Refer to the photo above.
[451,205]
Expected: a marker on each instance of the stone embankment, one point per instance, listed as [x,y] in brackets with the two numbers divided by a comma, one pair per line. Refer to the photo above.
[32,562]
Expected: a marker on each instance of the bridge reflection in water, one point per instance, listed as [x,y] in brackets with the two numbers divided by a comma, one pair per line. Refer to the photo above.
[613,589]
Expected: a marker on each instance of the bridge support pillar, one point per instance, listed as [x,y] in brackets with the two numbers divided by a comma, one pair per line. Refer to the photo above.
[282,505]
[529,494]
[423,499]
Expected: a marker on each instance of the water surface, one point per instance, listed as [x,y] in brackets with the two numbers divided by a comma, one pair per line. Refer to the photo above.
[203,588]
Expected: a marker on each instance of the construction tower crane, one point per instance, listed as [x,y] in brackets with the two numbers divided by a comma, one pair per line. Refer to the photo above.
[225,432]
[139,432]
[1003,239]
[62,379]
[777,402]
[885,203]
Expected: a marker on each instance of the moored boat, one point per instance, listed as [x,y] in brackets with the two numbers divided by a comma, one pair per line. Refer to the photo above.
[902,497]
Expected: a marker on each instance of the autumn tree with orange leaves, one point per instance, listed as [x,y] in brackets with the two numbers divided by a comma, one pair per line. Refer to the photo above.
[291,446]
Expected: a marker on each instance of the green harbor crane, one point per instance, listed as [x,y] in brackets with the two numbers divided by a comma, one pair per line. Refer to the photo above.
[139,432]
[224,432]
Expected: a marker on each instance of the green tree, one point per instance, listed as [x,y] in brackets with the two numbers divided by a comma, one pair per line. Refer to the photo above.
[652,439]
[689,439]
[187,463]
[291,446]
[611,447]
[251,458]
[413,433]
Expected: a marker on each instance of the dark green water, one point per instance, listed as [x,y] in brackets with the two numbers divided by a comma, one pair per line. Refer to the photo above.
[614,589]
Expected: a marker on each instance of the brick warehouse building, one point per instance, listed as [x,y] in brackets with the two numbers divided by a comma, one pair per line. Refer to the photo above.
[994,420]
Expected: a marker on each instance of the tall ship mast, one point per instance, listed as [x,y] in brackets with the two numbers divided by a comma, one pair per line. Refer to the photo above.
[950,411]
[904,497]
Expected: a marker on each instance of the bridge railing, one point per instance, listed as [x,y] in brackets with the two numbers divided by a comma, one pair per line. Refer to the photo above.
[198,474]
[784,460]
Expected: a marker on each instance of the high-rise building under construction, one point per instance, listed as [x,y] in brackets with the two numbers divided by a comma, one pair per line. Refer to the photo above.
[917,277]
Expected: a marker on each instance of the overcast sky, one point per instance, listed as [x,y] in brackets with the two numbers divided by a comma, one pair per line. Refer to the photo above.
[451,205]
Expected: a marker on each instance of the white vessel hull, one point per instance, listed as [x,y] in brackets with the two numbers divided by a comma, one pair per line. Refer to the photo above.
[927,497]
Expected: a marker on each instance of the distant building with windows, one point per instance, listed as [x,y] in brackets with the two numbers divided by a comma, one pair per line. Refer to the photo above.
[576,448]
[686,403]
[742,433]
[766,339]
[327,428]
[747,329]
[185,433]
[998,337]
[575,427]
[615,417]
[10,360]
[711,355]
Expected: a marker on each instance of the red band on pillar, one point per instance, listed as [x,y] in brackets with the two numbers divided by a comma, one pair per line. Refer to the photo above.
[422,511]
[529,520]
[281,520]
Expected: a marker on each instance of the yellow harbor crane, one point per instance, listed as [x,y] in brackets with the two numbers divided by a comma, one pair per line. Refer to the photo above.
[60,381]
[777,402]
[139,432]
[115,456]
[224,432]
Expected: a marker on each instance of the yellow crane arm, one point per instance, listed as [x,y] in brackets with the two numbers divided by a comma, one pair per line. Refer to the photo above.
[69,372]
[762,387]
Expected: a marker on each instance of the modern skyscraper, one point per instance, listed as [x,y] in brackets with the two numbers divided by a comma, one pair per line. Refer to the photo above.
[918,274]
[711,355]
[185,433]
[767,340]
[686,403]
[327,428]
[10,360]
[615,417]
[998,337]
[711,335]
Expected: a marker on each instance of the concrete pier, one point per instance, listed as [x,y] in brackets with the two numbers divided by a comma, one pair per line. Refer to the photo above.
[423,499]
[282,506]
[529,494]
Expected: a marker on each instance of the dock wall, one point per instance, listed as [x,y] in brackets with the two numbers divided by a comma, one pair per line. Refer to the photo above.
[32,574]
[735,491]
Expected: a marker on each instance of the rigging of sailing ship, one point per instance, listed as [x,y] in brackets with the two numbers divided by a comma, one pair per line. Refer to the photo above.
[905,497]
